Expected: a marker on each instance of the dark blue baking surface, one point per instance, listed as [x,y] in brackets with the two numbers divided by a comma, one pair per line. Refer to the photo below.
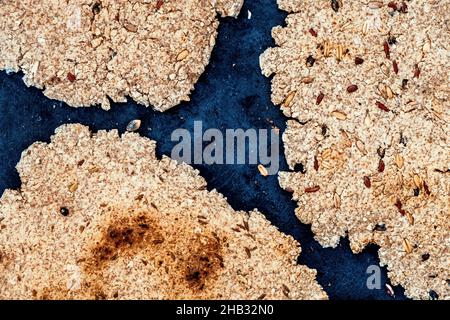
[232,93]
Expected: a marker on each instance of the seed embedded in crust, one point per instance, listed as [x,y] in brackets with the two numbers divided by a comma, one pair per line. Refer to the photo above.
[312,189]
[407,246]
[382,106]
[336,4]
[417,181]
[352,88]
[313,32]
[320,98]
[375,4]
[392,5]
[339,52]
[339,115]
[289,98]
[337,201]
[425,256]
[404,84]
[182,55]
[130,27]
[389,290]
[359,60]
[134,125]
[307,80]
[433,295]
[380,227]
[316,164]
[263,170]
[361,147]
[71,77]
[387,50]
[410,218]
[367,182]
[416,71]
[381,152]
[395,66]
[426,188]
[399,160]
[310,61]
[64,211]
[404,8]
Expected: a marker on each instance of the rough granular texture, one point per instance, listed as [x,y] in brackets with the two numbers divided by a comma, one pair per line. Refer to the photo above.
[99,217]
[88,52]
[366,87]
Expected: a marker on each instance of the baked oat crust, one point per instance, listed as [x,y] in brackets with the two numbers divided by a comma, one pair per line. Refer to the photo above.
[88,52]
[99,216]
[366,87]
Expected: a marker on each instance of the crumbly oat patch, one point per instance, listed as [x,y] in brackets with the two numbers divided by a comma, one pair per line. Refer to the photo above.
[366,87]
[98,216]
[88,52]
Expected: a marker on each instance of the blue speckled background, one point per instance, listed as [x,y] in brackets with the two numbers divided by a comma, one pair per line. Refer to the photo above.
[232,93]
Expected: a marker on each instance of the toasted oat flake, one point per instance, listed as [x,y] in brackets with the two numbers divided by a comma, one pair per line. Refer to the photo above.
[118,49]
[398,58]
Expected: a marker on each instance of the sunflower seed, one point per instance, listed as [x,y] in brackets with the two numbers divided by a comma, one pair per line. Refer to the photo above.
[336,4]
[407,246]
[339,115]
[130,27]
[426,188]
[182,55]
[337,200]
[134,125]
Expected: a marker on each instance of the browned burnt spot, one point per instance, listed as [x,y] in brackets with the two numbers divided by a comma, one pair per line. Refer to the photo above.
[125,235]
[203,262]
[191,261]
